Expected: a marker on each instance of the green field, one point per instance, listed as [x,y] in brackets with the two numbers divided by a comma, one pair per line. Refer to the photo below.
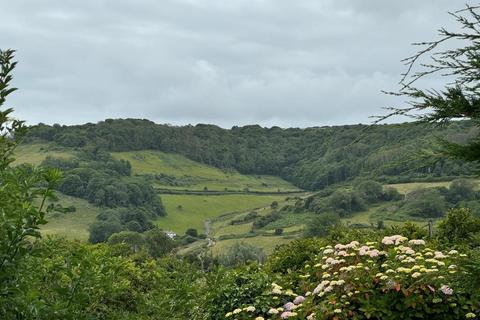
[404,188]
[195,209]
[196,176]
[291,223]
[72,225]
[267,243]
[35,153]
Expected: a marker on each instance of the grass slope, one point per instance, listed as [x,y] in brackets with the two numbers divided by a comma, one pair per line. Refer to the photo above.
[197,175]
[35,153]
[291,223]
[405,188]
[195,209]
[72,225]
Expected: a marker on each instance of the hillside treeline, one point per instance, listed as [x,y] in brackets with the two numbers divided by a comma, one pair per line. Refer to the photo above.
[311,158]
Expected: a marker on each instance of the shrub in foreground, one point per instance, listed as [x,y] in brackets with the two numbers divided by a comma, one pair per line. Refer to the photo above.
[389,279]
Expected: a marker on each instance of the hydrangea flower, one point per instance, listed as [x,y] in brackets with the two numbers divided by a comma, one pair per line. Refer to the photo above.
[289,306]
[273,311]
[417,242]
[288,314]
[446,290]
[311,316]
[299,300]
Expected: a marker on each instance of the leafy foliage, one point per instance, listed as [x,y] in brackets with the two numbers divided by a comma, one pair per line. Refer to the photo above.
[21,189]
[240,254]
[390,279]
[459,227]
[459,98]
[320,224]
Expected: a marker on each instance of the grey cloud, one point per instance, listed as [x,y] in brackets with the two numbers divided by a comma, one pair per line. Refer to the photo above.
[273,62]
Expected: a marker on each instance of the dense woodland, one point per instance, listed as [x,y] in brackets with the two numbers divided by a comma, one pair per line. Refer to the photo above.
[311,158]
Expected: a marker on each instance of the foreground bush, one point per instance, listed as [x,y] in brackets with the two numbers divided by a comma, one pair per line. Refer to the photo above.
[73,280]
[391,279]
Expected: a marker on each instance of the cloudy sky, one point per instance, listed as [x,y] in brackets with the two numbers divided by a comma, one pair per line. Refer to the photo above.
[226,62]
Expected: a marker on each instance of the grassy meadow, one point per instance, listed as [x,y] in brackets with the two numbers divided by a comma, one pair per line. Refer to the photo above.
[195,209]
[405,188]
[225,234]
[35,153]
[73,225]
[196,175]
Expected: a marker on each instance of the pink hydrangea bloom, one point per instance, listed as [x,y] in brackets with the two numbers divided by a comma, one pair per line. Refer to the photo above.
[289,306]
[299,300]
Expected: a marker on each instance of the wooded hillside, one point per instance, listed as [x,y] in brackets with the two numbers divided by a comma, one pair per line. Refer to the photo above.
[310,158]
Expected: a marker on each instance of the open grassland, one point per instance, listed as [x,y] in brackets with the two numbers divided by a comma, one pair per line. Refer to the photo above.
[197,176]
[35,153]
[385,212]
[405,188]
[73,225]
[221,227]
[267,243]
[190,211]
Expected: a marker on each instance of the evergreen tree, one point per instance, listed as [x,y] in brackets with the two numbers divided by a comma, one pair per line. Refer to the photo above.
[460,97]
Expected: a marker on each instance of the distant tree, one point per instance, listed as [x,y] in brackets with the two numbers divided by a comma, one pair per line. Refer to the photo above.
[134,240]
[380,224]
[461,190]
[240,254]
[391,194]
[274,205]
[370,191]
[346,202]
[100,231]
[262,221]
[60,163]
[427,203]
[192,232]
[72,185]
[278,231]
[72,140]
[134,226]
[319,225]
[158,243]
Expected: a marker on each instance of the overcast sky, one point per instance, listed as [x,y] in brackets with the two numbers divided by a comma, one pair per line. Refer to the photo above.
[226,62]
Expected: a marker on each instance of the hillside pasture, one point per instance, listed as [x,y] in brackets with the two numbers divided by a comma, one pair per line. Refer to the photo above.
[35,153]
[73,225]
[196,176]
[190,211]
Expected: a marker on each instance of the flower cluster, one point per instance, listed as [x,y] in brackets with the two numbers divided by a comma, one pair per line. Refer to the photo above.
[346,276]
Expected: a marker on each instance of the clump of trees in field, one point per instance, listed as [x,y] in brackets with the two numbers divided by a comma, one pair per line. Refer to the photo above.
[422,203]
